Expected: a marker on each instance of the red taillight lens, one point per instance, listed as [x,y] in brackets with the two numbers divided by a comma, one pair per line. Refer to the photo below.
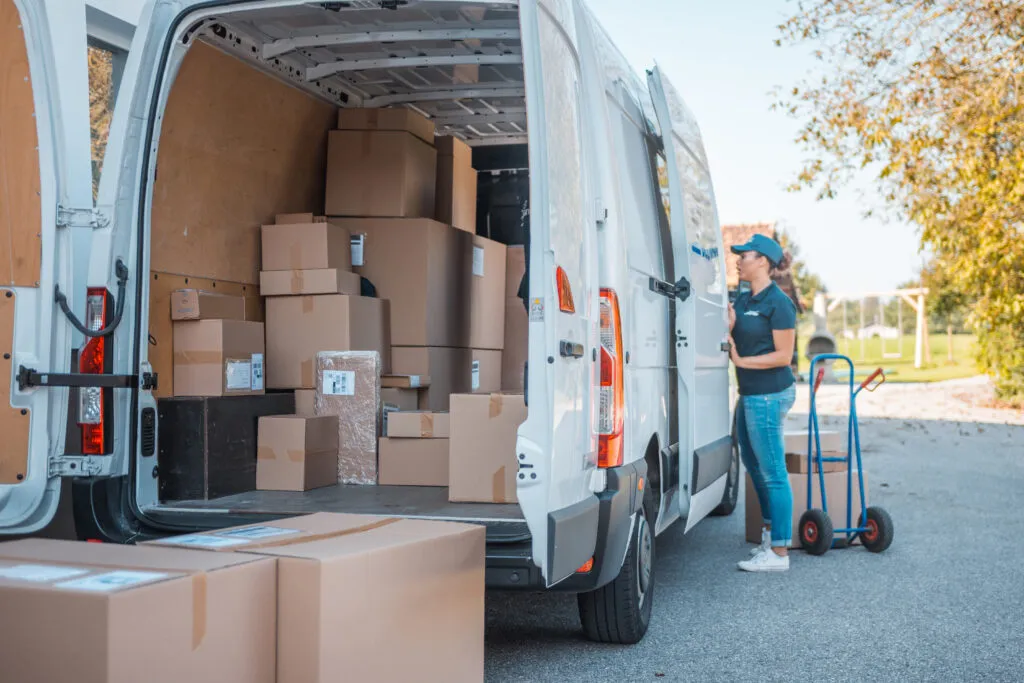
[92,360]
[565,301]
[612,389]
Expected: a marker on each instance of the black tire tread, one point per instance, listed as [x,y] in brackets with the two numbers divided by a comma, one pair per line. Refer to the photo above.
[886,530]
[825,533]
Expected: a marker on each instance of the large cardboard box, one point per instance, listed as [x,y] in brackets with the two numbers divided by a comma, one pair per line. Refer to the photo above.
[796,441]
[106,613]
[297,453]
[293,218]
[400,399]
[797,463]
[218,358]
[486,373]
[306,246]
[398,119]
[413,462]
[424,268]
[455,197]
[380,173]
[835,494]
[321,281]
[194,304]
[304,401]
[298,327]
[517,346]
[370,599]
[515,269]
[487,295]
[450,371]
[420,424]
[482,459]
[348,385]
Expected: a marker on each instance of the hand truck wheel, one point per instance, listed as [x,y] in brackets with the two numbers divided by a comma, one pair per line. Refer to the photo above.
[878,536]
[815,532]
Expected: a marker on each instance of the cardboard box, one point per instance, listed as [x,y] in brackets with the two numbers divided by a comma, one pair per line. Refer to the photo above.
[400,399]
[405,381]
[297,453]
[419,424]
[370,599]
[206,447]
[298,327]
[517,346]
[398,119]
[348,385]
[193,304]
[305,399]
[218,358]
[796,463]
[482,457]
[835,494]
[320,281]
[450,371]
[424,269]
[125,613]
[306,246]
[486,372]
[292,218]
[515,269]
[413,462]
[455,196]
[385,174]
[796,441]
[487,295]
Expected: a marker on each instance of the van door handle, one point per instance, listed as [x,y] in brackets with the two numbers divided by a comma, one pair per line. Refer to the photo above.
[726,346]
[568,349]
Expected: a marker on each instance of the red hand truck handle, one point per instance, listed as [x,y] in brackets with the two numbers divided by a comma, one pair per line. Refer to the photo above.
[819,377]
[871,378]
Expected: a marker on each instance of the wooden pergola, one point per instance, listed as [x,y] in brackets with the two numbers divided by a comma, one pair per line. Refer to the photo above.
[915,298]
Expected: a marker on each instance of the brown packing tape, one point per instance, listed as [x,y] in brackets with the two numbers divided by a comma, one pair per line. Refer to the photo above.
[265,453]
[295,255]
[372,117]
[494,407]
[426,424]
[298,280]
[198,609]
[198,357]
[307,304]
[498,486]
[306,374]
[296,454]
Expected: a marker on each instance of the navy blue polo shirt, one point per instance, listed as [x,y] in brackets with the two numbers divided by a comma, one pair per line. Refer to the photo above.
[756,318]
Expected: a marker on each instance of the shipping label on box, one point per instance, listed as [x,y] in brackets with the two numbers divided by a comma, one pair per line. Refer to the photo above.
[486,377]
[348,385]
[218,358]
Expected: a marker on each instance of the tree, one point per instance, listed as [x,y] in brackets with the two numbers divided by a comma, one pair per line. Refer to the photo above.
[100,104]
[807,282]
[927,96]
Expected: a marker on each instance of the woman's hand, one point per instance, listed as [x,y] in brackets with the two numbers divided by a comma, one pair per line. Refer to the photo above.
[732,317]
[734,355]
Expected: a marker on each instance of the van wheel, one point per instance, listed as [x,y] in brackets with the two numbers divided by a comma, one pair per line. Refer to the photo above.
[732,485]
[621,611]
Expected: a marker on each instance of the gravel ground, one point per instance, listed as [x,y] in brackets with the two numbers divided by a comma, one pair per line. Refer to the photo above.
[944,603]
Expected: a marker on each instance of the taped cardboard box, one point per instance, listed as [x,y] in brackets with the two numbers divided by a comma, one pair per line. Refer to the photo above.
[397,119]
[306,246]
[297,453]
[797,463]
[485,376]
[400,399]
[487,295]
[320,281]
[455,196]
[413,462]
[370,599]
[450,371]
[194,304]
[305,399]
[796,441]
[517,346]
[298,327]
[420,424]
[424,268]
[482,458]
[379,173]
[348,386]
[125,613]
[218,358]
[405,381]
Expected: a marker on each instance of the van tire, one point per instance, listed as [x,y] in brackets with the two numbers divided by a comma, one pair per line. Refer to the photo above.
[731,495]
[620,612]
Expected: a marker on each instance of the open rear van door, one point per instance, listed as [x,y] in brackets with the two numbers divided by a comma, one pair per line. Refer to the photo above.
[701,318]
[557,445]
[46,222]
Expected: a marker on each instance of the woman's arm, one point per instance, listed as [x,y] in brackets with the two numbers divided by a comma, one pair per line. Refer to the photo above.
[781,357]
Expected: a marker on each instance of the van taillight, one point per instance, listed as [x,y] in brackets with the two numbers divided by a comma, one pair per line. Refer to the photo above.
[612,389]
[566,304]
[93,360]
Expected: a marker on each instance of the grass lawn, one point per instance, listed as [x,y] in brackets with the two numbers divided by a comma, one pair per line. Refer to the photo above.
[902,369]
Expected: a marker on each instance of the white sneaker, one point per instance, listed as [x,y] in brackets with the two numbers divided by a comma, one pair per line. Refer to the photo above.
[766,543]
[766,561]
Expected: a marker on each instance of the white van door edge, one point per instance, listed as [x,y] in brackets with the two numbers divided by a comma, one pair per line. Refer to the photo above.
[701,319]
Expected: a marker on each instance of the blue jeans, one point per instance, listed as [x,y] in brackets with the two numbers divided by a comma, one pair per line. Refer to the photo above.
[760,424]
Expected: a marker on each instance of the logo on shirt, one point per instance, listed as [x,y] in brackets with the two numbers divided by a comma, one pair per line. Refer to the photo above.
[753,313]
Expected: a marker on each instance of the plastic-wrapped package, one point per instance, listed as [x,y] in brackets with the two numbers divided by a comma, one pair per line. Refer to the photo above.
[348,385]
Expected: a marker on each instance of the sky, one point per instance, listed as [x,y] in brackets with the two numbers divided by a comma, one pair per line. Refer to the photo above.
[721,56]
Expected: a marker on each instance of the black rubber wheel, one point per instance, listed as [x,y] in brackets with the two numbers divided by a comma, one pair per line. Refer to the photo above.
[815,532]
[620,612]
[880,531]
[731,495]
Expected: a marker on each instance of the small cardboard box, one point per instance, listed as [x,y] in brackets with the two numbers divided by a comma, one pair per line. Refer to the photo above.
[796,441]
[487,295]
[455,196]
[486,372]
[398,119]
[368,599]
[405,381]
[298,327]
[319,281]
[292,218]
[482,458]
[413,462]
[450,371]
[515,269]
[126,613]
[305,399]
[380,173]
[306,246]
[297,453]
[419,425]
[400,399]
[218,358]
[348,385]
[517,346]
[796,463]
[194,304]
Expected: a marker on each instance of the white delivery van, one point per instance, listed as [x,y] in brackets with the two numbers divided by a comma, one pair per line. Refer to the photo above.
[628,426]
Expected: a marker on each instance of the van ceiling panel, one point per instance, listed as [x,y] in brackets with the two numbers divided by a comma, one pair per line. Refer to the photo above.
[460,63]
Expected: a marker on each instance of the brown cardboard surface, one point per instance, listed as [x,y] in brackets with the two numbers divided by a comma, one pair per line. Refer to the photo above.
[835,494]
[796,463]
[482,456]
[451,146]
[304,401]
[319,281]
[386,174]
[405,381]
[487,295]
[413,462]
[450,371]
[420,424]
[194,304]
[517,345]
[455,196]
[306,246]
[300,326]
[297,453]
[397,119]
[424,268]
[211,358]
[486,373]
[207,616]
[400,399]
[348,385]
[515,269]
[292,218]
[796,441]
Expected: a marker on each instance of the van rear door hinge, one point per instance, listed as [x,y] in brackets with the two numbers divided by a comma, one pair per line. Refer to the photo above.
[78,466]
[70,217]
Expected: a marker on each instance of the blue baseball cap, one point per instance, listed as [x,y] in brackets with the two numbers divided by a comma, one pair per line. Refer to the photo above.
[765,246]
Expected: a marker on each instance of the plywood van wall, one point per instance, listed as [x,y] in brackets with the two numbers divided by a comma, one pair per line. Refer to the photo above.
[237,147]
